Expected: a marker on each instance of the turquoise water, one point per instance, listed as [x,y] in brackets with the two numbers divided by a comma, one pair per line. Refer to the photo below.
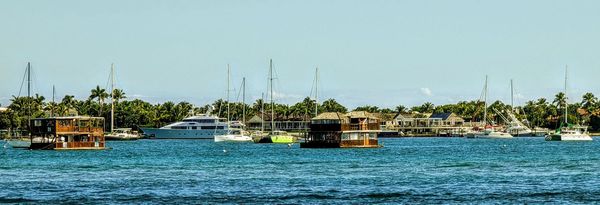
[407,170]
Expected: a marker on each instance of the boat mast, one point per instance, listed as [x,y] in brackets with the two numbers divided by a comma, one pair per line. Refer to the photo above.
[512,96]
[566,103]
[262,112]
[228,78]
[485,101]
[112,97]
[316,91]
[272,104]
[244,100]
[53,103]
[29,95]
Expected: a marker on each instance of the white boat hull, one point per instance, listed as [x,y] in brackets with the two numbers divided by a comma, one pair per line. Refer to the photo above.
[568,137]
[232,138]
[494,135]
[17,143]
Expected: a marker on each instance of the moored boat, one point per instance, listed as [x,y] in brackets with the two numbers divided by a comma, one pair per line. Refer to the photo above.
[122,134]
[204,126]
[568,132]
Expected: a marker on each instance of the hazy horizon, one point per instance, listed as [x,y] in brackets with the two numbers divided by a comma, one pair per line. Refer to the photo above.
[382,53]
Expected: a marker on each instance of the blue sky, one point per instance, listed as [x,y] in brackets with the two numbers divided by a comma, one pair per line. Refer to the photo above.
[382,53]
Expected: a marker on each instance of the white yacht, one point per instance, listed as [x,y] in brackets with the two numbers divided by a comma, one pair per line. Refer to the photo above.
[234,135]
[490,133]
[574,133]
[203,126]
[122,134]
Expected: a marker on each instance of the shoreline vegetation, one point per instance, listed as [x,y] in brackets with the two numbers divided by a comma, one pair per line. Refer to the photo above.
[136,113]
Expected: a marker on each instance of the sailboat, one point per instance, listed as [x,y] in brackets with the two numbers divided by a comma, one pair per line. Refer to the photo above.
[489,131]
[276,136]
[236,132]
[515,126]
[120,133]
[568,132]
[16,140]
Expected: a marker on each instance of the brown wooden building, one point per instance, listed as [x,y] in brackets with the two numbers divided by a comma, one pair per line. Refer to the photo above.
[67,133]
[338,130]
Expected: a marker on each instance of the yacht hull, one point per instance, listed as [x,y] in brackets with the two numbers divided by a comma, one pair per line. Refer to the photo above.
[232,138]
[157,133]
[17,143]
[574,137]
[494,135]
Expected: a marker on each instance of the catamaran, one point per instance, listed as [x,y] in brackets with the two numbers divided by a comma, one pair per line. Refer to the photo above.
[236,132]
[489,132]
[568,132]
[276,136]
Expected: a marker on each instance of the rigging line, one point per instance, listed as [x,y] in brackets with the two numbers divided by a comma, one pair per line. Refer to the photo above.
[108,82]
[22,81]
[239,93]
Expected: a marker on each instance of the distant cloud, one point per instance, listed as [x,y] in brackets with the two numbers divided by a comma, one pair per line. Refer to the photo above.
[285,97]
[426,91]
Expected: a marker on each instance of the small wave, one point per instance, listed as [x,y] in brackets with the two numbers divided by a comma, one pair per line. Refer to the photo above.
[465,164]
[15,200]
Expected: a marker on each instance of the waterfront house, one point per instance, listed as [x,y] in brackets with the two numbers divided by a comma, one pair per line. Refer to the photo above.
[357,129]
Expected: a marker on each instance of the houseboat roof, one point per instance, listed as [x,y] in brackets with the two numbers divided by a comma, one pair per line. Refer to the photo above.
[342,116]
[69,117]
[329,116]
[361,114]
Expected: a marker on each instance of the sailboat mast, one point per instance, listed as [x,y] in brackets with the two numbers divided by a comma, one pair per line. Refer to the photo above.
[485,101]
[53,103]
[316,91]
[512,96]
[244,100]
[29,94]
[228,79]
[272,104]
[566,103]
[112,97]
[262,112]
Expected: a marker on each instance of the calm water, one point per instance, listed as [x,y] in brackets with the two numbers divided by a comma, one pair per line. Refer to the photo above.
[409,170]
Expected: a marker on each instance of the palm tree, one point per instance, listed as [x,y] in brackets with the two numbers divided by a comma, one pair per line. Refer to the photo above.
[331,105]
[118,95]
[589,102]
[401,109]
[100,94]
[560,100]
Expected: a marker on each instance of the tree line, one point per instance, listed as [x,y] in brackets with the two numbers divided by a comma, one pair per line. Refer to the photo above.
[139,113]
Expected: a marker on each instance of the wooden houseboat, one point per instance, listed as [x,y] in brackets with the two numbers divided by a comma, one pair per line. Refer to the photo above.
[338,130]
[68,133]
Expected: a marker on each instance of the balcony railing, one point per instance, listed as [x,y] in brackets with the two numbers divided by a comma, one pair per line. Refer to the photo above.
[360,126]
